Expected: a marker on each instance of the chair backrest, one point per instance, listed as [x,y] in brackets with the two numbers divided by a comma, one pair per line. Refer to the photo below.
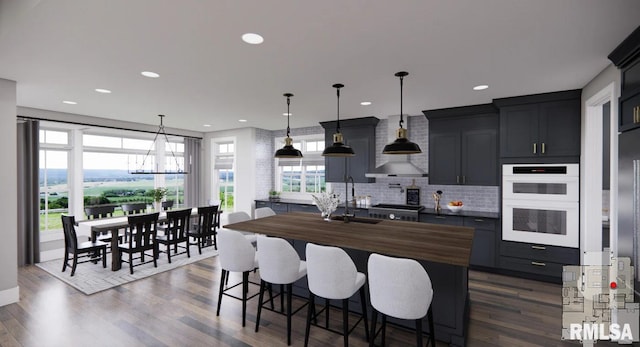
[143,230]
[399,287]
[279,261]
[236,253]
[237,217]
[100,211]
[167,205]
[134,208]
[179,223]
[69,228]
[262,212]
[207,217]
[330,271]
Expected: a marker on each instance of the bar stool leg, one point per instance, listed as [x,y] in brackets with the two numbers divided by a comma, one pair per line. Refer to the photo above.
[289,301]
[245,289]
[345,321]
[432,331]
[419,332]
[282,298]
[384,329]
[260,298]
[326,311]
[223,274]
[372,335]
[363,302]
[310,311]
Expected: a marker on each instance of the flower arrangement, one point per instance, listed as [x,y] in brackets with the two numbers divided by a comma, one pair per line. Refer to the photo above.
[327,203]
[159,193]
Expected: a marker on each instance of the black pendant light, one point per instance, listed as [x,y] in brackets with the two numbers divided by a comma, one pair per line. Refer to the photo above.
[338,148]
[401,145]
[288,151]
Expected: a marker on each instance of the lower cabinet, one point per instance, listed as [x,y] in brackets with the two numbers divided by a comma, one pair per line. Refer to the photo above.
[537,259]
[441,219]
[277,207]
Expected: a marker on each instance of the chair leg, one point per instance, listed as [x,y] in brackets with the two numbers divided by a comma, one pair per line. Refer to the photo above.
[156,254]
[289,290]
[75,263]
[282,298]
[384,329]
[432,331]
[199,242]
[169,252]
[345,321]
[260,299]
[215,244]
[419,332]
[372,334]
[326,312]
[188,249]
[223,274]
[363,302]
[310,311]
[271,295]
[104,257]
[245,289]
[66,259]
[131,261]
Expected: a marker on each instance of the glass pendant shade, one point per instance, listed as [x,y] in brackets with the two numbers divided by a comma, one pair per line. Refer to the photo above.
[338,148]
[401,145]
[288,151]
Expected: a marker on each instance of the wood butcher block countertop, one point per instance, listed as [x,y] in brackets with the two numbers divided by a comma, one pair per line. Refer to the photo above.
[422,241]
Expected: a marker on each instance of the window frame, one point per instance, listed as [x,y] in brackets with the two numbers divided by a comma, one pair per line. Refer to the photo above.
[278,173]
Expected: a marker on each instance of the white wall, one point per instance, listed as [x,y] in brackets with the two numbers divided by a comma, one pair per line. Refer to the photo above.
[9,291]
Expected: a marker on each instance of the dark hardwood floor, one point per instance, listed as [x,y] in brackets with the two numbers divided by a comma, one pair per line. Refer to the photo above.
[177,308]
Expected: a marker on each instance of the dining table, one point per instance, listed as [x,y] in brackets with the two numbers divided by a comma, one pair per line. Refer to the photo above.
[95,227]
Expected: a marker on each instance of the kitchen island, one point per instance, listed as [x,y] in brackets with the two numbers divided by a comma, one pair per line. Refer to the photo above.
[443,250]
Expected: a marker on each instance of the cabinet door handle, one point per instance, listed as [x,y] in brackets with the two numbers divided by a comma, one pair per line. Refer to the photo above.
[543,148]
[441,217]
[636,114]
[464,179]
[542,248]
[538,263]
[479,220]
[457,179]
[535,148]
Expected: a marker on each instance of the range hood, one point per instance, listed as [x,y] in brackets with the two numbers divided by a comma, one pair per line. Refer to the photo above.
[398,165]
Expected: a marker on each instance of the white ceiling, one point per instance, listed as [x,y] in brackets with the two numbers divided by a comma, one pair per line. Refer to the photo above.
[63,49]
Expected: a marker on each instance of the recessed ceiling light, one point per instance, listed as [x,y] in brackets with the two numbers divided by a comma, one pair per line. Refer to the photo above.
[242,120]
[481,87]
[207,125]
[104,91]
[287,114]
[365,103]
[150,74]
[69,102]
[252,38]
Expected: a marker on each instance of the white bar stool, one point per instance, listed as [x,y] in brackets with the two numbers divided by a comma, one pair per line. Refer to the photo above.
[399,288]
[262,212]
[333,275]
[279,264]
[236,254]
[237,217]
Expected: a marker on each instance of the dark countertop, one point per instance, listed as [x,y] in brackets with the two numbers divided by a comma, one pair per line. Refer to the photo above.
[427,210]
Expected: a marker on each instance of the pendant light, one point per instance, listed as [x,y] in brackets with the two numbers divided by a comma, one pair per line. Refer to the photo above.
[338,148]
[145,169]
[401,145]
[288,151]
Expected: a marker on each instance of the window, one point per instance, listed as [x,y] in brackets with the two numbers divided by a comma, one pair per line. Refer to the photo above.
[53,178]
[306,175]
[108,161]
[224,167]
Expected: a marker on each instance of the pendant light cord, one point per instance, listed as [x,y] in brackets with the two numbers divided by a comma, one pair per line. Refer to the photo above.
[288,115]
[338,86]
[401,117]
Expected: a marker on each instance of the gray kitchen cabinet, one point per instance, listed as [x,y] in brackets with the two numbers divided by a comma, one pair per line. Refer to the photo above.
[483,251]
[463,145]
[441,219]
[537,259]
[626,56]
[540,128]
[360,134]
[277,207]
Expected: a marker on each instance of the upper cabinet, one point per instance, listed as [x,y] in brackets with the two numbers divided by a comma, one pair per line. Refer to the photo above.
[463,145]
[541,127]
[627,57]
[360,134]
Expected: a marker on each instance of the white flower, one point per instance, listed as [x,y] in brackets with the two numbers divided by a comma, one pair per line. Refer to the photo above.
[326,202]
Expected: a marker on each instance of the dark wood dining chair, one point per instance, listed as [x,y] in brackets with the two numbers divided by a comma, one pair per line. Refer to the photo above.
[102,211]
[206,230]
[142,239]
[134,208]
[176,232]
[167,205]
[73,250]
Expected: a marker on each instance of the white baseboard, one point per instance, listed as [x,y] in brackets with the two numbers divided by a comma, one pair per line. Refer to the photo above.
[9,296]
[52,254]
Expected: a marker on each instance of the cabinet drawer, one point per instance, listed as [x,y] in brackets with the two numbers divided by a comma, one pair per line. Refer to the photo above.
[262,204]
[630,111]
[481,223]
[441,219]
[303,208]
[543,253]
[531,266]
[279,207]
